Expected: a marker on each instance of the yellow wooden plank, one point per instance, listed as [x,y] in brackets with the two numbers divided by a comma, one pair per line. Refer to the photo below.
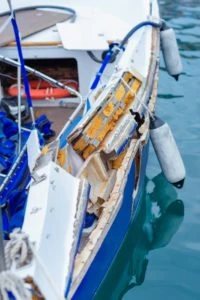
[130,95]
[136,85]
[95,124]
[120,92]
[61,157]
[118,113]
[116,164]
[89,150]
[104,131]
[127,76]
[108,110]
[80,145]
[110,125]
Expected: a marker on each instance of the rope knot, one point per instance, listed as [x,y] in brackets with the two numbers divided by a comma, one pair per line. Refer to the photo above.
[18,249]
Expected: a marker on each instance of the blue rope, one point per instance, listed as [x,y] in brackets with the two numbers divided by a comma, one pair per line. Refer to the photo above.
[19,48]
[101,70]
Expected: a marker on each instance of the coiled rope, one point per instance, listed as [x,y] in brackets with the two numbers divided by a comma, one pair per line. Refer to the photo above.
[19,251]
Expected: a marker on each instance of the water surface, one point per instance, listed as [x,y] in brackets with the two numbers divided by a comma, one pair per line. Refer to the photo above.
[160,258]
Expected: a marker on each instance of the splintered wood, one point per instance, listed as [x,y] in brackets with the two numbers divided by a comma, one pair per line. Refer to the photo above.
[105,120]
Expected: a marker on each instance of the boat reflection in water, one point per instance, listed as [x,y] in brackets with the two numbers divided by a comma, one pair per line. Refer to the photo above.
[158,219]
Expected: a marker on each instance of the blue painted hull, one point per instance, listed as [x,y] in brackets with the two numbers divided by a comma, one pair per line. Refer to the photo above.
[115,236]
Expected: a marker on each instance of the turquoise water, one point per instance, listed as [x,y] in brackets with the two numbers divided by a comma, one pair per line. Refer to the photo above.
[160,258]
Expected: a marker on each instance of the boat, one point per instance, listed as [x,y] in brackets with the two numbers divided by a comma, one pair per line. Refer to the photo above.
[71,193]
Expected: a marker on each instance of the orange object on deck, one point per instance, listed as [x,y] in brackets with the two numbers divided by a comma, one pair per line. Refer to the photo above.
[40,89]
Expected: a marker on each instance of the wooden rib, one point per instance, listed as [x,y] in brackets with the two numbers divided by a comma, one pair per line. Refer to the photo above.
[36,44]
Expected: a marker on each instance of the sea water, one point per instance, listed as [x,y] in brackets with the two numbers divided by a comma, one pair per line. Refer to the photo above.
[160,258]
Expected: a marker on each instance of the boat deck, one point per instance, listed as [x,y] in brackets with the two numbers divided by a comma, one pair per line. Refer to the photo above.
[57,115]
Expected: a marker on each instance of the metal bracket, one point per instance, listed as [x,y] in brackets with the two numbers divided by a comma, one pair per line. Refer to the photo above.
[37,179]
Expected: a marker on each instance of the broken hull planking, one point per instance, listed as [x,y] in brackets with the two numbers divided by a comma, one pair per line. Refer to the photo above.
[117,233]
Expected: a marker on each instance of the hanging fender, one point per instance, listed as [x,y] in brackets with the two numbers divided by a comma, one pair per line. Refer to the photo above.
[170,51]
[40,89]
[167,152]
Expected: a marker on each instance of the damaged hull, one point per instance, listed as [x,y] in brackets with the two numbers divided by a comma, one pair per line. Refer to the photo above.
[117,233]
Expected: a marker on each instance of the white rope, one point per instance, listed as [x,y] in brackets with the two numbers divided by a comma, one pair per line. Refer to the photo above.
[20,251]
[9,282]
[5,24]
[137,98]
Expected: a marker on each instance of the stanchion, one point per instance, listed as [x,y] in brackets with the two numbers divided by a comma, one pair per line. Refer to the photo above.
[2,256]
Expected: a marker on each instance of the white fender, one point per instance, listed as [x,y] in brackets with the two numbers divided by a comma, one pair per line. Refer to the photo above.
[167,152]
[170,52]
